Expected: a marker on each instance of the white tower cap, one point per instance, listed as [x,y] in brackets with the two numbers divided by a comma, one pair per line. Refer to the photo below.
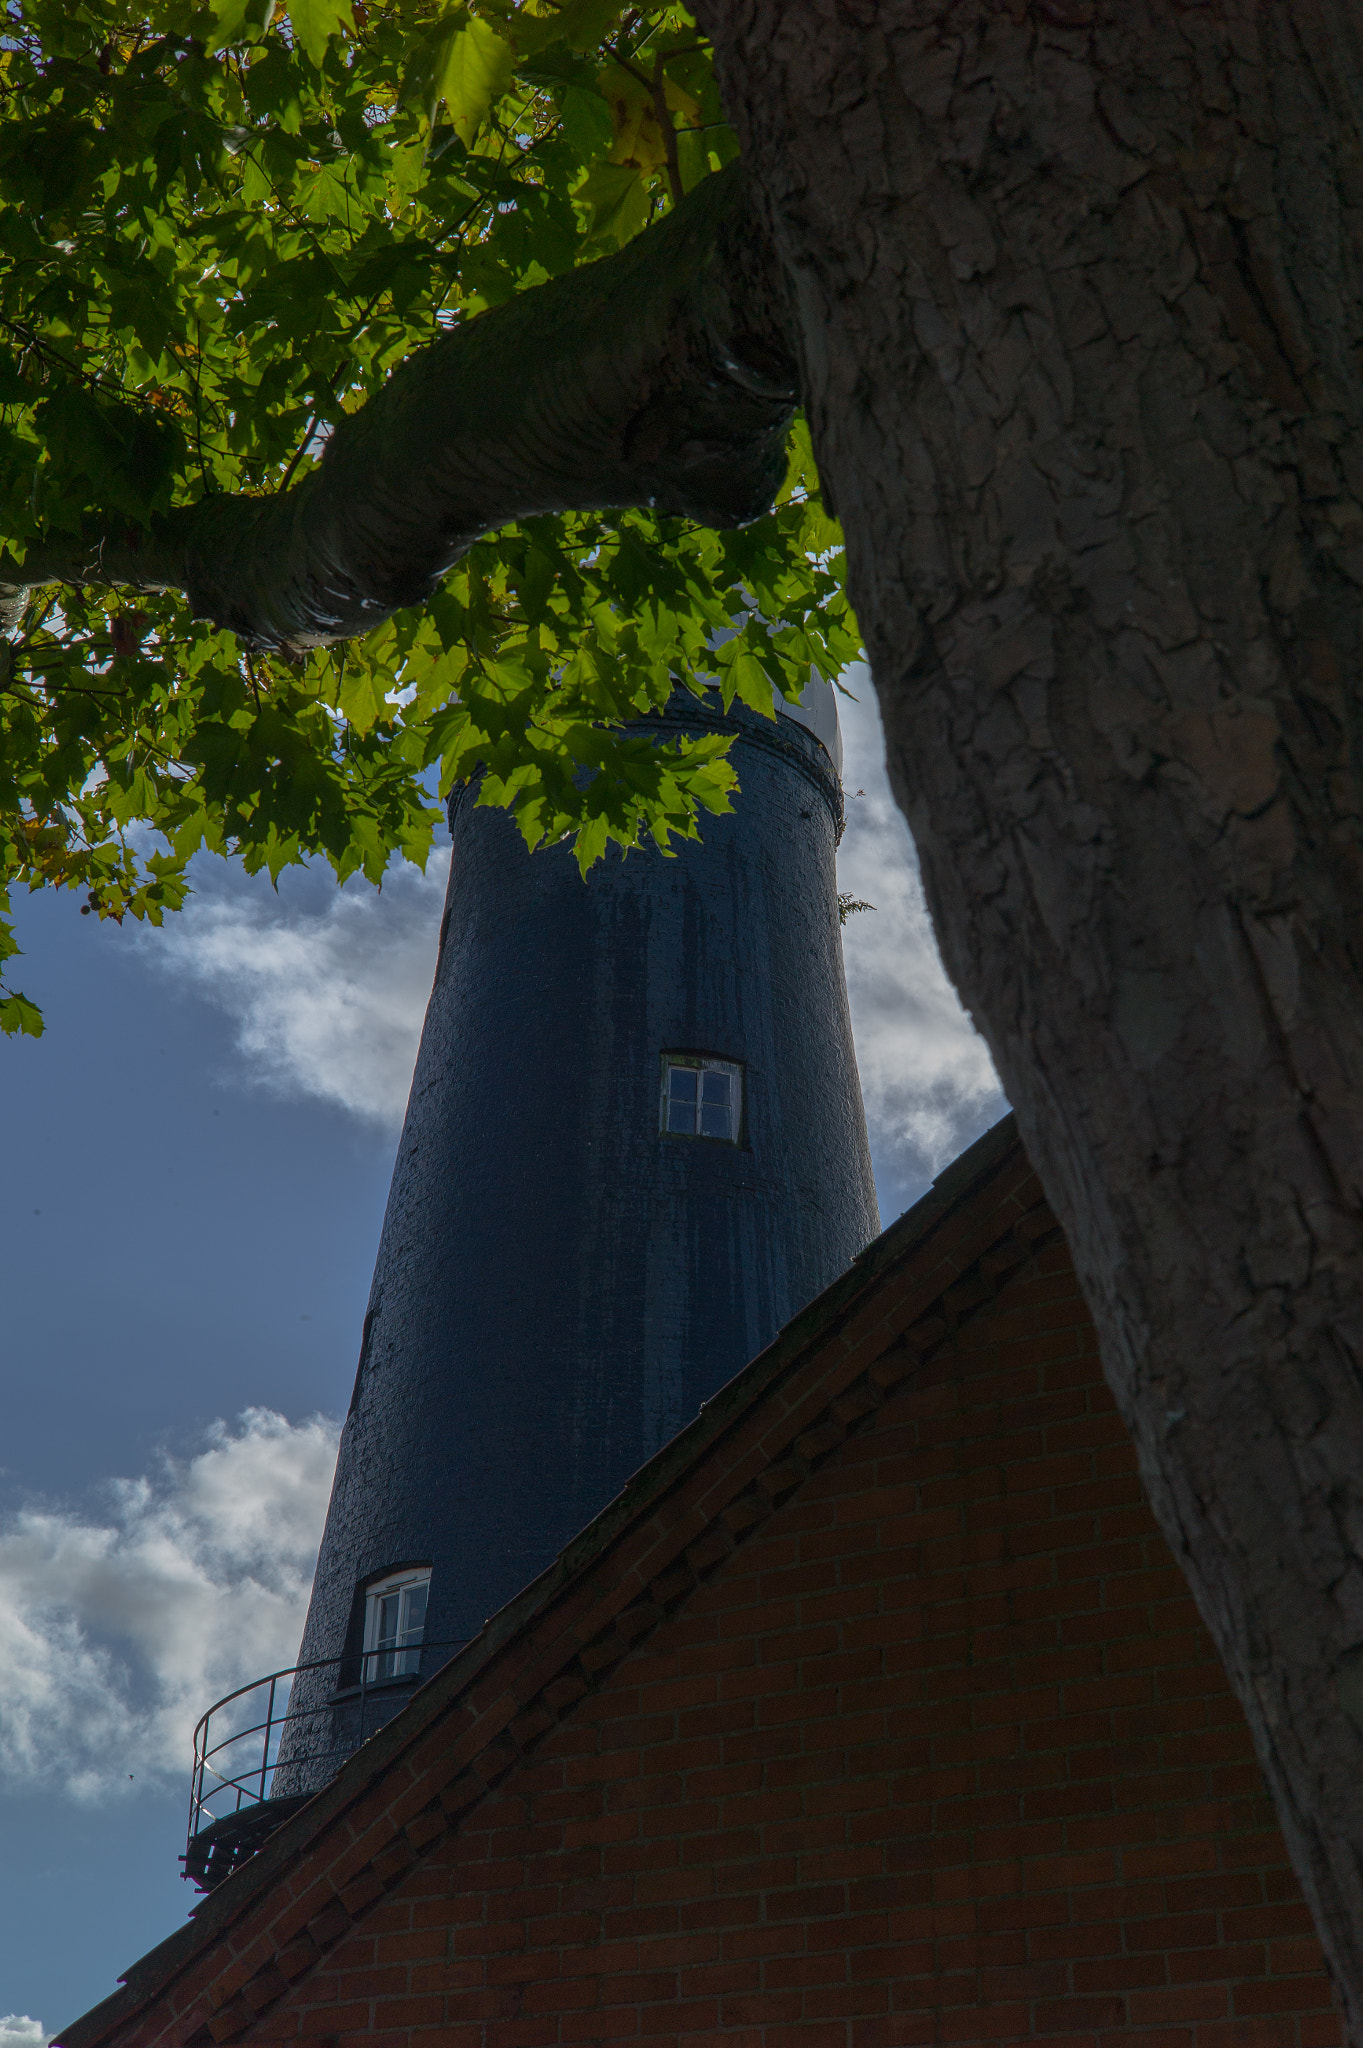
[817,711]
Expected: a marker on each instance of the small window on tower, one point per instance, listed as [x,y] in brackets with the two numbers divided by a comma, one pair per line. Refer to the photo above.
[394,1623]
[702,1098]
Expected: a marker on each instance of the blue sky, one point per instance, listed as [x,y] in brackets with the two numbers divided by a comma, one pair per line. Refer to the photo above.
[197,1155]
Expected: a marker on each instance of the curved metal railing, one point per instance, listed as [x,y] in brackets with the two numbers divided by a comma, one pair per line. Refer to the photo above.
[241,1738]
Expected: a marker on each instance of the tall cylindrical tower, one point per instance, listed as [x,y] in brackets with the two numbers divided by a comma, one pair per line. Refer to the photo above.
[634,1148]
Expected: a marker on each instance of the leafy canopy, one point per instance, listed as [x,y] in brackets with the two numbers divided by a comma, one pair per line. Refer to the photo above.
[221,226]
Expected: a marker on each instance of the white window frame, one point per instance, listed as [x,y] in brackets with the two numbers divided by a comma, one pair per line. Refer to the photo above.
[702,1064]
[398,1656]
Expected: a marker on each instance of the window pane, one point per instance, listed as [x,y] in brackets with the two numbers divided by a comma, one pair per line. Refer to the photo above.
[395,1621]
[702,1099]
[414,1609]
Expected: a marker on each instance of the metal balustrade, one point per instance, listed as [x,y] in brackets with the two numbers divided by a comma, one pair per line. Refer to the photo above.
[245,1735]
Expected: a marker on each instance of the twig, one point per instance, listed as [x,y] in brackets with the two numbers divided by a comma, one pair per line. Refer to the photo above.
[656,86]
[198,401]
[663,115]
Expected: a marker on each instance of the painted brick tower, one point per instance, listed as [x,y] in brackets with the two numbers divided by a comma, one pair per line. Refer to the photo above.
[634,1149]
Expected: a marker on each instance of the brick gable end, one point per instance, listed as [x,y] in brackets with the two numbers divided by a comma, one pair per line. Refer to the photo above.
[904,1731]
[942,1753]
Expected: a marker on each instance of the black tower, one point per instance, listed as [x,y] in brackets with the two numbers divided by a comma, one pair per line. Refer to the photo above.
[634,1148]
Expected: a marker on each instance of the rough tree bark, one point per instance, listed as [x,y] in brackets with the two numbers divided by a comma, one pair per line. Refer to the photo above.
[1080,298]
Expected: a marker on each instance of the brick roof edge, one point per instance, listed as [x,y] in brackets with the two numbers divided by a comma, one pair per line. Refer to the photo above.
[586,1636]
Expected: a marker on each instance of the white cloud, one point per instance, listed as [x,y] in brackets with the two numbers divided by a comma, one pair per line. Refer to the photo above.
[117,1630]
[926,1074]
[329,1003]
[17,2030]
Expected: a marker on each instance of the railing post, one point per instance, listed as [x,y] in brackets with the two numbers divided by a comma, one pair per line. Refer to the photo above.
[265,1745]
[196,1784]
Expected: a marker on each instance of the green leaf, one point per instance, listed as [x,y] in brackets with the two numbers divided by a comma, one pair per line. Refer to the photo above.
[238,21]
[363,694]
[582,25]
[475,69]
[316,21]
[18,1014]
[586,121]
[614,198]
[423,62]
[749,681]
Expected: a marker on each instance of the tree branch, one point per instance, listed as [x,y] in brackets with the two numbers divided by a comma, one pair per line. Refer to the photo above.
[663,375]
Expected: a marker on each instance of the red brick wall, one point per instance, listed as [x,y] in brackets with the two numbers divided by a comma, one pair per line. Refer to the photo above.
[942,1753]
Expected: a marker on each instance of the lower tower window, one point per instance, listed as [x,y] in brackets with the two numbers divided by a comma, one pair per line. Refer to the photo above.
[702,1098]
[394,1623]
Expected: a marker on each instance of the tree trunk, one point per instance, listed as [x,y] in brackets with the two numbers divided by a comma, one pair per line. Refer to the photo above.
[1080,297]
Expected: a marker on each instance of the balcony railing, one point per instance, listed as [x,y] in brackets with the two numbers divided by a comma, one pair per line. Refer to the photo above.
[243,1737]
